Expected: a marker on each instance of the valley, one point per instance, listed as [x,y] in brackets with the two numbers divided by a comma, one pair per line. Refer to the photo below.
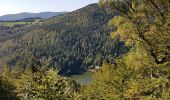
[93,50]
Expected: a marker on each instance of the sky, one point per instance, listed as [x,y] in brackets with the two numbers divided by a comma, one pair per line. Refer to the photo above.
[18,6]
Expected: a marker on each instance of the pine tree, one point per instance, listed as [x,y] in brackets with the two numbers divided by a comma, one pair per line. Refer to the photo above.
[6,86]
[17,70]
[24,86]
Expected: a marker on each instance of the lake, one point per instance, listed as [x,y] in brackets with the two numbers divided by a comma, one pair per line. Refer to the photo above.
[83,79]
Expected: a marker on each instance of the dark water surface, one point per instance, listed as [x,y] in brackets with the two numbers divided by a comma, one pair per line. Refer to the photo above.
[83,79]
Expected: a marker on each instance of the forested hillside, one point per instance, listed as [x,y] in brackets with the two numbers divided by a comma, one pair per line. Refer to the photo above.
[73,42]
[10,27]
[133,53]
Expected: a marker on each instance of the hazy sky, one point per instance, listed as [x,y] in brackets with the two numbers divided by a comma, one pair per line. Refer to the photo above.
[17,6]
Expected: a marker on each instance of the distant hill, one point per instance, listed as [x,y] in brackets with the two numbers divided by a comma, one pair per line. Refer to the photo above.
[19,16]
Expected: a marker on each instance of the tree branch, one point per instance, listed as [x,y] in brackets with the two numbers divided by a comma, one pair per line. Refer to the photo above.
[161,14]
[129,3]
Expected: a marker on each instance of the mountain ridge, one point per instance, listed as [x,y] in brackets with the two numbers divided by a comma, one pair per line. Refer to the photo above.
[23,15]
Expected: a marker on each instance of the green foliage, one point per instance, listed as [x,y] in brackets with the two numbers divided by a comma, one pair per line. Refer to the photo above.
[123,82]
[4,94]
[143,73]
[44,84]
[103,85]
[23,85]
[77,40]
[143,22]
[6,86]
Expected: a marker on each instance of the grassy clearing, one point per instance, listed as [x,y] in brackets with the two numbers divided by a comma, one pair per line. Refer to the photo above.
[10,24]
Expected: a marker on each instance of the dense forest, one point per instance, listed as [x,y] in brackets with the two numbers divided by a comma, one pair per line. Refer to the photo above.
[128,39]
[73,42]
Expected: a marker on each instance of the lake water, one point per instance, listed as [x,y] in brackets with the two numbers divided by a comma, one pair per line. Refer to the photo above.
[83,79]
